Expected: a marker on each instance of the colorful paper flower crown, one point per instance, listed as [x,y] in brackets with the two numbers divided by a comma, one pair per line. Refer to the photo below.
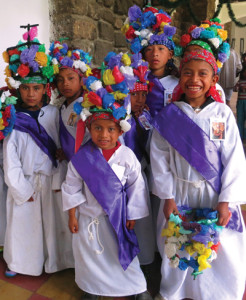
[26,60]
[7,113]
[194,231]
[148,27]
[110,92]
[211,36]
[63,57]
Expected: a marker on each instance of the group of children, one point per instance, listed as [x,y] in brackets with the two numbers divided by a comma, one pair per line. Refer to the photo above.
[84,182]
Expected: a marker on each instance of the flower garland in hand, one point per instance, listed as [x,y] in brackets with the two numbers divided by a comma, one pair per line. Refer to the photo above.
[194,231]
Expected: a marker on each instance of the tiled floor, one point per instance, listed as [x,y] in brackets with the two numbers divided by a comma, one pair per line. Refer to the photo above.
[61,285]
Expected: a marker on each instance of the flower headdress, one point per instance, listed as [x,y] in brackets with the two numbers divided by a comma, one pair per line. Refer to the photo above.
[109,95]
[194,231]
[7,113]
[28,62]
[148,27]
[63,57]
[211,36]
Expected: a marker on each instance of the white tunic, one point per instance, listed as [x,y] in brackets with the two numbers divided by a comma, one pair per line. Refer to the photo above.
[3,195]
[172,179]
[97,267]
[30,241]
[144,228]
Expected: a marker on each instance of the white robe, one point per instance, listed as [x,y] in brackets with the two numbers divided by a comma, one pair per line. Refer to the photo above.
[144,228]
[3,195]
[102,274]
[226,279]
[30,241]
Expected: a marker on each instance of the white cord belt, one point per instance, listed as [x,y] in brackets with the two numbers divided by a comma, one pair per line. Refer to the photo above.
[196,184]
[91,237]
[37,182]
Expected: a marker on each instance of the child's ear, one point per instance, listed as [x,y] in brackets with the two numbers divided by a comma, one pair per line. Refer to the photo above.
[170,55]
[215,80]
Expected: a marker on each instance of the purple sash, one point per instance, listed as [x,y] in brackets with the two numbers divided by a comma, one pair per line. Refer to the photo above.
[135,140]
[25,123]
[155,98]
[191,142]
[110,193]
[66,139]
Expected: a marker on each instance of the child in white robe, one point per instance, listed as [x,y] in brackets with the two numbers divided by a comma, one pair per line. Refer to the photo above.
[99,177]
[180,180]
[29,164]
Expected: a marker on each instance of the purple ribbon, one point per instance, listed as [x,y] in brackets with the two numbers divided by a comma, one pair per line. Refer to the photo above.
[137,140]
[191,142]
[155,98]
[66,139]
[26,123]
[111,195]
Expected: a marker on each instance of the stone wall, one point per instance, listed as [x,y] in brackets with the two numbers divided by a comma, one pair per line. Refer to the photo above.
[94,25]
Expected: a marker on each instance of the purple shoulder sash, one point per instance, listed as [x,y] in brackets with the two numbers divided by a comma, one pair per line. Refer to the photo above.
[25,123]
[155,98]
[191,142]
[110,193]
[66,139]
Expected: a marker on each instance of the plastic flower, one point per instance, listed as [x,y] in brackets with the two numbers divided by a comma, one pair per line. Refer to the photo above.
[23,70]
[185,39]
[222,33]
[6,56]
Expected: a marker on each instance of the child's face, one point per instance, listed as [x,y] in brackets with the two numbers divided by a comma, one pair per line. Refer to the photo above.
[138,100]
[69,84]
[32,94]
[157,56]
[197,76]
[105,133]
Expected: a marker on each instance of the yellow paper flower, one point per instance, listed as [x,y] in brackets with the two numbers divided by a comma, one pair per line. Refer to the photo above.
[86,103]
[171,230]
[204,25]
[6,56]
[124,28]
[210,244]
[1,124]
[126,59]
[118,95]
[190,250]
[7,71]
[207,253]
[203,264]
[41,58]
[56,69]
[199,247]
[222,33]
[108,77]
[219,64]
[69,53]
[88,72]
[163,24]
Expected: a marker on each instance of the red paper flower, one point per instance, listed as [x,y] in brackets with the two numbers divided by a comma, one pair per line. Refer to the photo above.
[154,10]
[185,39]
[130,33]
[215,247]
[95,99]
[140,72]
[13,51]
[118,76]
[23,70]
[161,18]
[191,28]
[1,136]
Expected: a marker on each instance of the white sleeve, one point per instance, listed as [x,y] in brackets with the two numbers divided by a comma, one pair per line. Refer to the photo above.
[72,189]
[18,185]
[233,160]
[136,191]
[163,180]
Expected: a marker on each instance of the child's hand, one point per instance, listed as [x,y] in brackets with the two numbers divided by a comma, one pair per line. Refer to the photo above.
[73,224]
[130,224]
[60,155]
[169,208]
[224,213]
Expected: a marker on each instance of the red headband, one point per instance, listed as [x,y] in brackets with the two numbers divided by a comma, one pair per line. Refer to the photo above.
[200,54]
[139,87]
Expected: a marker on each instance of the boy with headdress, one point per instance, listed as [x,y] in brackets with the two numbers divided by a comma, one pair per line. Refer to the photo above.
[193,169]
[104,184]
[30,163]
